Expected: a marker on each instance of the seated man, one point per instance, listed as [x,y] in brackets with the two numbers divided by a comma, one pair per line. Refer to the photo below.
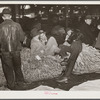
[74,46]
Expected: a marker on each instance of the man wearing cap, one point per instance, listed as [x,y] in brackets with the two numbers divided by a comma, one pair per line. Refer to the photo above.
[28,21]
[11,37]
[86,31]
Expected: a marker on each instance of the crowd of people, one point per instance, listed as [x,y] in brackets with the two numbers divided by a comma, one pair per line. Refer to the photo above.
[29,53]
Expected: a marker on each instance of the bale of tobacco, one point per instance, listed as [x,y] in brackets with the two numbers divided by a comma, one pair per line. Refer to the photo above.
[88,61]
[2,77]
[46,68]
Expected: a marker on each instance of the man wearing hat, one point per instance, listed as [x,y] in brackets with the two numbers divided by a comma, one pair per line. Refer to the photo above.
[29,19]
[85,29]
[11,37]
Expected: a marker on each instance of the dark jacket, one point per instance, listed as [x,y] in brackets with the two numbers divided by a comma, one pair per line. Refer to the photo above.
[87,33]
[11,36]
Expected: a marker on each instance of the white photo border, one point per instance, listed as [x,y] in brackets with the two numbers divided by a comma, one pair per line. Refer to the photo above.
[50,95]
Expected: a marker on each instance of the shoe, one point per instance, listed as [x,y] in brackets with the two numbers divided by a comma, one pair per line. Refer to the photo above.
[64,79]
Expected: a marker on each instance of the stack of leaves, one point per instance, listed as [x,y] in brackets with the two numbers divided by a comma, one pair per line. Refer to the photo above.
[2,77]
[88,61]
[46,68]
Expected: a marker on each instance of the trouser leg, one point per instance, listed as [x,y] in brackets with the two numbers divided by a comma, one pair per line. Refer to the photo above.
[17,67]
[70,66]
[69,70]
[7,66]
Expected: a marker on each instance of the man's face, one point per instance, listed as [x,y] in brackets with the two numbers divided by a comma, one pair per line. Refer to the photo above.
[88,21]
[6,16]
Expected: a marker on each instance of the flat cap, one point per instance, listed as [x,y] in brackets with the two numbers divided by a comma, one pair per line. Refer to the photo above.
[6,11]
[88,17]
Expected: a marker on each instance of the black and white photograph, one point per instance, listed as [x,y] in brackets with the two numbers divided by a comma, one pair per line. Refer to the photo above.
[49,47]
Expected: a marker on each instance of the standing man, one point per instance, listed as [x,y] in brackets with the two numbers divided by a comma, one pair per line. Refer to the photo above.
[28,21]
[85,29]
[97,44]
[11,37]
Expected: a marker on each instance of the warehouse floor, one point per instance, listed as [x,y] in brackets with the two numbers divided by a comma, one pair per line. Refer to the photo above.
[75,80]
